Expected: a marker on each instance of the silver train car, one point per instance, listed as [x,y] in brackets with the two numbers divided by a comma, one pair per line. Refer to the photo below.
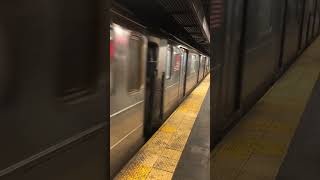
[149,77]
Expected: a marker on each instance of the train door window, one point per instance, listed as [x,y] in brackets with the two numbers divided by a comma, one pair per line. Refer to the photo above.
[191,68]
[177,59]
[190,62]
[135,63]
[193,64]
[168,62]
[197,63]
[184,55]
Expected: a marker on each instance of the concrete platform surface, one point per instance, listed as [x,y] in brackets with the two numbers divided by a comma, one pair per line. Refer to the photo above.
[194,163]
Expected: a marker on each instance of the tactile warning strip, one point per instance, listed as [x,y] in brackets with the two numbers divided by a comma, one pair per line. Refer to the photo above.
[256,147]
[158,158]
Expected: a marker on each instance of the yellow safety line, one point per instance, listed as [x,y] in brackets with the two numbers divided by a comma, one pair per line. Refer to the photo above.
[158,158]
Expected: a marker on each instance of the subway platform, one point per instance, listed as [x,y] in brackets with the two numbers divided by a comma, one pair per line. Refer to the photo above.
[185,136]
[279,137]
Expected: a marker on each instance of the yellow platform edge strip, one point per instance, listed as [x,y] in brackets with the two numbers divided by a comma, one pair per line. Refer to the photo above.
[158,158]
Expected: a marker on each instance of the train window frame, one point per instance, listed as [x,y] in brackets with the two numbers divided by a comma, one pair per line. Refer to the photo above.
[168,65]
[135,36]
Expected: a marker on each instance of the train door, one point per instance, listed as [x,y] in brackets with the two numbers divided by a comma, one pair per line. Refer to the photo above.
[198,67]
[204,66]
[186,57]
[183,68]
[201,68]
[153,104]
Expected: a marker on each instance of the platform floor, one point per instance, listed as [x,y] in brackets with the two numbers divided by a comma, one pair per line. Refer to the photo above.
[194,163]
[159,157]
[256,147]
[303,158]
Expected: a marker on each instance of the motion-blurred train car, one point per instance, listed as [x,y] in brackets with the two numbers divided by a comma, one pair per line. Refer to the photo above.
[150,74]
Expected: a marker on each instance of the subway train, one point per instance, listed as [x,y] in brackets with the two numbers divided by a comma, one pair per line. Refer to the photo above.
[263,38]
[53,85]
[150,75]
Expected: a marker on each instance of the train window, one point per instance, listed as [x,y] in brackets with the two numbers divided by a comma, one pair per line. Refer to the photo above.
[168,62]
[4,73]
[135,63]
[78,69]
[78,80]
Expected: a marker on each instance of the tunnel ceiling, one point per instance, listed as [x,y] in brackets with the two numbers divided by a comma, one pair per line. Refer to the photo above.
[185,19]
